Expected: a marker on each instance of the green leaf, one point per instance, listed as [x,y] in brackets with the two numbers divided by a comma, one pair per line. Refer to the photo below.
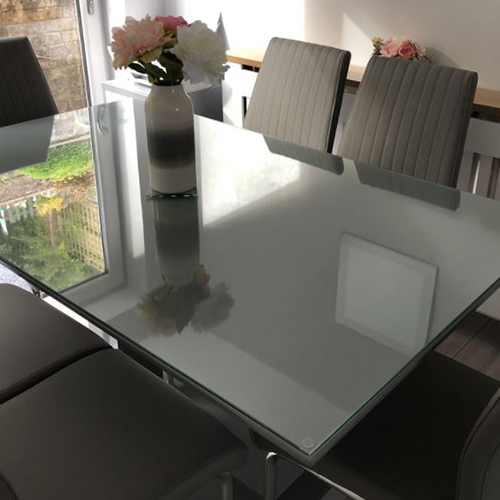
[137,67]
[173,66]
[156,72]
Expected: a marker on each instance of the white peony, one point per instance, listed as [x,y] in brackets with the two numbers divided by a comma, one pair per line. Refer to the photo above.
[212,311]
[202,53]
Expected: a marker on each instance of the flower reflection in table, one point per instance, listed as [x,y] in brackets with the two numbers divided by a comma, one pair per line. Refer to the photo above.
[186,297]
[170,308]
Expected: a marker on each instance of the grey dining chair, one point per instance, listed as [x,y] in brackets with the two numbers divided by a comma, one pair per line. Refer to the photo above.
[435,437]
[80,420]
[24,91]
[411,117]
[298,93]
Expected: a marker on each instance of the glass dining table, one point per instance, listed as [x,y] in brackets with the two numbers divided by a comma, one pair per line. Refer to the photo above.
[296,289]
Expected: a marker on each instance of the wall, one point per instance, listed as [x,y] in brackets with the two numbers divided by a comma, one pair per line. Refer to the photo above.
[457,32]
[139,9]
[52,28]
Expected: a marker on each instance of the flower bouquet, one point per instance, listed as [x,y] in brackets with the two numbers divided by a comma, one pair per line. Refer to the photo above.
[169,50]
[402,47]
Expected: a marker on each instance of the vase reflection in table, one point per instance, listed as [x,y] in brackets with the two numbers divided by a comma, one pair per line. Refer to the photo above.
[186,298]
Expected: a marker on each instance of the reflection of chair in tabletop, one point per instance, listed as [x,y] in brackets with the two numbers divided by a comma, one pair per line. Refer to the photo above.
[320,159]
[435,194]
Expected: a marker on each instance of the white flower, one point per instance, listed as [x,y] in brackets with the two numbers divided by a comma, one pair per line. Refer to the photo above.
[202,53]
[212,311]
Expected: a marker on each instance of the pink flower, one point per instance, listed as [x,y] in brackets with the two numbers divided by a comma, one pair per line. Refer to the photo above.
[137,39]
[420,50]
[390,48]
[407,50]
[171,23]
[402,47]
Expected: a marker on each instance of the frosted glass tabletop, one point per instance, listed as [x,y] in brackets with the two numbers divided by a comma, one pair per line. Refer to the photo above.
[297,288]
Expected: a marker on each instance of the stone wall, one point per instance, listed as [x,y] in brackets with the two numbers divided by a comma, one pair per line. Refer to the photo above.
[52,27]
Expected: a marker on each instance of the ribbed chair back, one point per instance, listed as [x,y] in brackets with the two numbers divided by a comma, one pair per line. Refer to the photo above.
[24,91]
[298,93]
[411,117]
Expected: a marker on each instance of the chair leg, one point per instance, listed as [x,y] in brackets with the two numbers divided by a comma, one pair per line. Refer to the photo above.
[270,476]
[271,473]
[168,378]
[227,485]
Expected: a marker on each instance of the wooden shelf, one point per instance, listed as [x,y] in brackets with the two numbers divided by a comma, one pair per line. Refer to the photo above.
[485,101]
[247,57]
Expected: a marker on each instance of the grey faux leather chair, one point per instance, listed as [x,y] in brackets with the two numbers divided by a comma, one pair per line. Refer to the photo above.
[298,93]
[411,117]
[36,341]
[435,437]
[81,420]
[24,92]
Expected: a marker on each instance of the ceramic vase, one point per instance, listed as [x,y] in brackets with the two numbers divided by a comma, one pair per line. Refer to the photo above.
[170,133]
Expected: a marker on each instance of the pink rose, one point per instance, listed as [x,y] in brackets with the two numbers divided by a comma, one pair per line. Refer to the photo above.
[136,39]
[408,51]
[390,48]
[171,23]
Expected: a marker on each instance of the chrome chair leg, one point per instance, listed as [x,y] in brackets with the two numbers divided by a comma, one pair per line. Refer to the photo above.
[270,478]
[168,378]
[226,480]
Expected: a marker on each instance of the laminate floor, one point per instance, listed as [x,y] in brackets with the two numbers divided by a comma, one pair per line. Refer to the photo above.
[475,343]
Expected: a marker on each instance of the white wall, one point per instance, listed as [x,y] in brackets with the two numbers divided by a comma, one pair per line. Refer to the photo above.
[457,32]
[139,8]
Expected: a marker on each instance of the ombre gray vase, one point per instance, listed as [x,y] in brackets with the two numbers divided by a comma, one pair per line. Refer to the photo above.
[170,131]
[177,231]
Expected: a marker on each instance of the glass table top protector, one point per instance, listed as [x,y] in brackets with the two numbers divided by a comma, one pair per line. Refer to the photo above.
[297,285]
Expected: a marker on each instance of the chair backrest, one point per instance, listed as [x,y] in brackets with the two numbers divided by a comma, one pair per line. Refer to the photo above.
[24,92]
[411,117]
[479,473]
[298,93]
